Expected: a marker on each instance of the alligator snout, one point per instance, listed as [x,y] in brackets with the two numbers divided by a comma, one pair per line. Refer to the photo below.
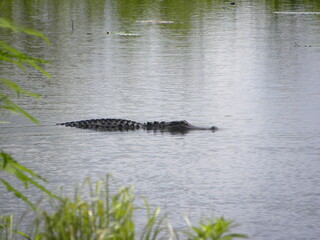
[214,128]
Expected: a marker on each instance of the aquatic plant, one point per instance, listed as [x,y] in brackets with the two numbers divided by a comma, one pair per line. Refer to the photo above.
[101,216]
[214,230]
[106,216]
[7,229]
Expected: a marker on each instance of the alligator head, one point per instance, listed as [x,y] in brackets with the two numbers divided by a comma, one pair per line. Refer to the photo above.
[184,126]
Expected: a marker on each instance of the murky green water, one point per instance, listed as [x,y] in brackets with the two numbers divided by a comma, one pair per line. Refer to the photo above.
[249,71]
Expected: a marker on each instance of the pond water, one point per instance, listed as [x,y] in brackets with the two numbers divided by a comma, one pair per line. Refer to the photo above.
[243,68]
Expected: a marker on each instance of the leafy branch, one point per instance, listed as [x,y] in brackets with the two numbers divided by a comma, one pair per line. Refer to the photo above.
[7,163]
[10,166]
[13,55]
[4,23]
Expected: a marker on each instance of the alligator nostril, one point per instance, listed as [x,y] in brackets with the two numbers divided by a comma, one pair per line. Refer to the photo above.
[214,128]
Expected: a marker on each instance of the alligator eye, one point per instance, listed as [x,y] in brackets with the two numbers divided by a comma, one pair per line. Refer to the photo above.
[185,122]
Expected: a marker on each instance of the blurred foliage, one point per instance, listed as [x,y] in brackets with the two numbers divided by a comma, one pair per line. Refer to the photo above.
[110,216]
[10,54]
[25,175]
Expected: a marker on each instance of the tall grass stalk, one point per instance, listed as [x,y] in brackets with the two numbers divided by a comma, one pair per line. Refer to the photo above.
[7,229]
[96,214]
[102,216]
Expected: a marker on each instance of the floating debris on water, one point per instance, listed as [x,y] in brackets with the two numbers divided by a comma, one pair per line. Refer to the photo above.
[155,21]
[298,13]
[306,45]
[124,34]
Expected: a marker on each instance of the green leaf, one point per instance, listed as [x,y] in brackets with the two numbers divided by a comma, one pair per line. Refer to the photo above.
[15,87]
[11,106]
[17,193]
[8,59]
[10,166]
[35,33]
[27,179]
[7,228]
[23,234]
[14,53]
[9,162]
[4,23]
[36,66]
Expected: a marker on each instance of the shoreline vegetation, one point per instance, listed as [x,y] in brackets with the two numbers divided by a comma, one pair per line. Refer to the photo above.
[100,216]
[95,213]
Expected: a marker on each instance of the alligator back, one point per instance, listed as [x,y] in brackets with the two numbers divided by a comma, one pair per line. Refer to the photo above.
[104,124]
[116,124]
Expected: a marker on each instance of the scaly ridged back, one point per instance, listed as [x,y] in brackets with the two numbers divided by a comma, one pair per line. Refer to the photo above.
[105,124]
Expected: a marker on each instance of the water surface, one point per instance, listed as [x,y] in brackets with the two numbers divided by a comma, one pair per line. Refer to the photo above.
[252,73]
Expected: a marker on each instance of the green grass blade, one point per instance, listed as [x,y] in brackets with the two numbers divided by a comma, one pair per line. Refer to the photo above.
[27,179]
[36,66]
[17,193]
[4,23]
[9,59]
[11,106]
[23,234]
[10,166]
[10,49]
[8,160]
[35,33]
[15,87]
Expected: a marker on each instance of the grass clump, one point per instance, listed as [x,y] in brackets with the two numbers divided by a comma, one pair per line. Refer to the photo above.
[105,216]
[100,216]
[218,230]
[96,214]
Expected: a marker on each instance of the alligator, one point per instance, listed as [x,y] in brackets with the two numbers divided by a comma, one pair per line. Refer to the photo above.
[113,124]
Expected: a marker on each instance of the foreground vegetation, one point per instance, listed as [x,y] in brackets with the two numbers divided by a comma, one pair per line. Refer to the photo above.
[102,215]
[12,55]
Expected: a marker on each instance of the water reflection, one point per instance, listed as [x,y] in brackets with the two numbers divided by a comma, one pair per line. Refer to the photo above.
[240,67]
